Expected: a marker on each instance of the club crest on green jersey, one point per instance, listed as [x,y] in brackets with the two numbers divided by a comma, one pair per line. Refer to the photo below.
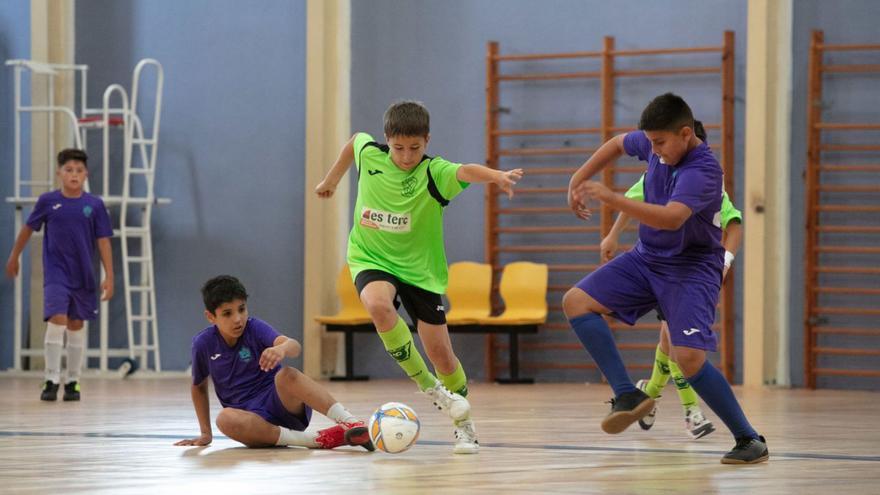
[408,186]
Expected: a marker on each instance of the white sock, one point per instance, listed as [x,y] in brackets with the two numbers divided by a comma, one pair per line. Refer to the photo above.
[297,438]
[340,414]
[52,345]
[76,343]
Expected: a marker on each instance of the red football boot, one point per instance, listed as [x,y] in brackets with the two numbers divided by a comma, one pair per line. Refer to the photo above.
[354,434]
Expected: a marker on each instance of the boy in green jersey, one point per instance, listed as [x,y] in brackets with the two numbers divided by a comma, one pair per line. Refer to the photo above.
[696,424]
[396,252]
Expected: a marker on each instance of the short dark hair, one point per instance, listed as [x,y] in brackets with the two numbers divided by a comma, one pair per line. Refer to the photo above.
[700,131]
[407,118]
[667,112]
[222,289]
[69,154]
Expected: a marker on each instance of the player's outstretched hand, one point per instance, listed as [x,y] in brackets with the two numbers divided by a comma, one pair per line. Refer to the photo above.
[107,289]
[12,268]
[199,442]
[592,190]
[270,358]
[577,206]
[325,189]
[506,180]
[608,248]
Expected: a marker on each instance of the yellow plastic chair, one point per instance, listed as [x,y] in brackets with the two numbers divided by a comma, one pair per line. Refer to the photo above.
[469,292]
[524,290]
[351,311]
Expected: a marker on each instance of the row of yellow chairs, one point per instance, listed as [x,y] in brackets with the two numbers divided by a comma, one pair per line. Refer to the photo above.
[523,289]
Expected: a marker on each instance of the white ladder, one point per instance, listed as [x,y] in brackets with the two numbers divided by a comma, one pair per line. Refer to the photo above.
[134,226]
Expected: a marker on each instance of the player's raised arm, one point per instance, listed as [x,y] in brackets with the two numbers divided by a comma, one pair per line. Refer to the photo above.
[327,187]
[282,347]
[505,180]
[606,154]
[670,216]
[203,413]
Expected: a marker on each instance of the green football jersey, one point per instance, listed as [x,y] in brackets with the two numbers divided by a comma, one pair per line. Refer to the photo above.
[398,216]
[728,211]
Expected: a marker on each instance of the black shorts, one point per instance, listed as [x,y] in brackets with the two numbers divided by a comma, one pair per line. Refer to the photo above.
[418,303]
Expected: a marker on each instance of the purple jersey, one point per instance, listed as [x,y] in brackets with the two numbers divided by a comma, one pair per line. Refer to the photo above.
[72,226]
[234,370]
[697,182]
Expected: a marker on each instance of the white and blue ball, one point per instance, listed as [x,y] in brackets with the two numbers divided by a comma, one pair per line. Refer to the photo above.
[394,427]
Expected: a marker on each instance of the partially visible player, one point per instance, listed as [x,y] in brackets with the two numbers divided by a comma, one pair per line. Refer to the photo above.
[264,402]
[76,222]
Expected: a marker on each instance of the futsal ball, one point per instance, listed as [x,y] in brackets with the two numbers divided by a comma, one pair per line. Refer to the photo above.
[394,427]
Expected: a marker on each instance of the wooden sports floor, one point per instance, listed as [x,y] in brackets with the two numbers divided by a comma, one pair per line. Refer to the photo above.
[542,438]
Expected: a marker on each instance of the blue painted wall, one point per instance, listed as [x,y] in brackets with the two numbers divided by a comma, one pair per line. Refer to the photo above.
[15,42]
[435,52]
[231,149]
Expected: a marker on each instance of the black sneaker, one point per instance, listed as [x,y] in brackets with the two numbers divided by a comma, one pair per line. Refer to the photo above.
[50,391]
[747,451]
[626,409]
[71,391]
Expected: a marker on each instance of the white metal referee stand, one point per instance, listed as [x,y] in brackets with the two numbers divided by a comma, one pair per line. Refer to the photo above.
[135,201]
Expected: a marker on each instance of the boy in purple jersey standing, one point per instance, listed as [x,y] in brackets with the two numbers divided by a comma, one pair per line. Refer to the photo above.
[676,265]
[75,222]
[264,403]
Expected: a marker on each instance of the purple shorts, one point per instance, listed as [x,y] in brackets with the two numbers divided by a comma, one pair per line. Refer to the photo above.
[630,287]
[268,406]
[76,304]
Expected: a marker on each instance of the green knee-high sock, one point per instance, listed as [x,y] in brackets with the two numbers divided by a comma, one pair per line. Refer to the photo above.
[685,392]
[399,343]
[660,375]
[456,381]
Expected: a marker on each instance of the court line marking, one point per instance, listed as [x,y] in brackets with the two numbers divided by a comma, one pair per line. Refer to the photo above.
[502,445]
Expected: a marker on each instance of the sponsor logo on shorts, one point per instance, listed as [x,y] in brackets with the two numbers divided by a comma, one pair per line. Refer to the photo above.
[245,354]
[691,331]
[386,220]
[87,211]
[440,308]
[214,357]
[402,352]
[56,206]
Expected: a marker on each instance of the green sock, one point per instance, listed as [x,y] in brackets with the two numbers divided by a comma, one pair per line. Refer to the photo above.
[685,391]
[455,382]
[660,375]
[399,343]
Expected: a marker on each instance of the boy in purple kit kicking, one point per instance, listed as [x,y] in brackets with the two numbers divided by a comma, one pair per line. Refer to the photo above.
[264,403]
[75,221]
[676,265]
